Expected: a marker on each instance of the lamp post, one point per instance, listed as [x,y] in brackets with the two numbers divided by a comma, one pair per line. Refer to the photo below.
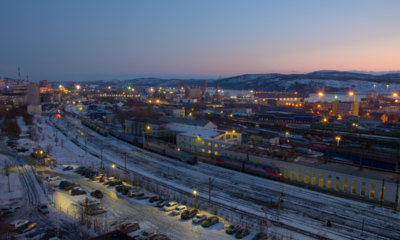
[352,94]
[195,195]
[325,120]
[387,91]
[338,139]
[113,166]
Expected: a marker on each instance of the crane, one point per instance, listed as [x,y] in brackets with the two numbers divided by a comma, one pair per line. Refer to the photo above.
[216,88]
[204,88]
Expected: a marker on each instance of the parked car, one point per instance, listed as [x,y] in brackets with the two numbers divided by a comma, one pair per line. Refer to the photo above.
[135,193]
[155,199]
[8,210]
[120,187]
[84,172]
[88,203]
[90,174]
[241,233]
[52,178]
[115,182]
[189,213]
[97,177]
[162,203]
[43,208]
[79,169]
[260,236]
[233,228]
[170,206]
[75,192]
[178,210]
[17,223]
[108,179]
[26,227]
[103,178]
[65,185]
[157,237]
[199,218]
[68,168]
[145,234]
[129,227]
[96,209]
[124,191]
[210,221]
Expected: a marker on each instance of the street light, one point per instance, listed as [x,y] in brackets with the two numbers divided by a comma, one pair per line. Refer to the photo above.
[338,139]
[320,94]
[352,94]
[148,127]
[195,197]
[395,95]
[78,87]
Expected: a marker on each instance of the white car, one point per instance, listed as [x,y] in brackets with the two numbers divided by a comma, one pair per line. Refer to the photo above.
[199,218]
[18,223]
[108,180]
[170,206]
[178,210]
[52,178]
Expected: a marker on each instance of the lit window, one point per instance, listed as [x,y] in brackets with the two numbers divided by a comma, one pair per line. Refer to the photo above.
[337,186]
[328,184]
[321,174]
[280,165]
[321,182]
[209,144]
[307,171]
[313,181]
[372,194]
[313,173]
[306,179]
[353,189]
[286,167]
[202,150]
[299,170]
[286,174]
[293,168]
[216,153]
[344,187]
[345,179]
[354,181]
[209,151]
[362,193]
[372,185]
[363,183]
[299,177]
[216,145]
[292,176]
[262,161]
[381,196]
[202,143]
[273,164]
[223,146]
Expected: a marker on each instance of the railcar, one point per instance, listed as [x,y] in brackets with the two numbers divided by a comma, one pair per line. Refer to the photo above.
[171,152]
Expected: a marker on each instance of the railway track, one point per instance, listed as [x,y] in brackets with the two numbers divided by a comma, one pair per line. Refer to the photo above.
[263,203]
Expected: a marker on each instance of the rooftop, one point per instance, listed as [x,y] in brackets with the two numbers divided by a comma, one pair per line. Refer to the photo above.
[190,122]
[194,131]
[149,121]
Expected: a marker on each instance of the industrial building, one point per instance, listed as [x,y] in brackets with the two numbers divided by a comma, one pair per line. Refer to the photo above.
[192,93]
[203,140]
[345,108]
[190,122]
[175,112]
[289,117]
[33,92]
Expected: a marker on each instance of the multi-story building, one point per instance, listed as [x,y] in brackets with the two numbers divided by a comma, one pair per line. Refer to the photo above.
[203,140]
[137,126]
[345,108]
[35,109]
[13,98]
[176,112]
[190,122]
[192,93]
[33,92]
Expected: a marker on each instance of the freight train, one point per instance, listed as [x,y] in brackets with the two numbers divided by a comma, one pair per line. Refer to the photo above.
[93,126]
[267,171]
[170,152]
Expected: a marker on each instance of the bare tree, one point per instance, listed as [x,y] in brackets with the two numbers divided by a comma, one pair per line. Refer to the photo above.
[49,148]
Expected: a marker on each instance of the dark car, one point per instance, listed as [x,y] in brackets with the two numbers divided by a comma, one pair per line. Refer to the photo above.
[97,194]
[125,190]
[115,182]
[68,168]
[260,236]
[43,208]
[233,228]
[79,169]
[129,227]
[26,227]
[243,232]
[7,210]
[162,203]
[120,187]
[103,178]
[155,198]
[158,237]
[75,192]
[189,213]
[84,172]
[65,185]
[90,174]
[210,221]
[97,177]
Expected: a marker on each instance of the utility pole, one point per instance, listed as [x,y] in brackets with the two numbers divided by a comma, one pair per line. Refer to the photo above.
[125,161]
[56,138]
[85,145]
[209,189]
[382,191]
[397,193]
[362,229]
[102,164]
[279,204]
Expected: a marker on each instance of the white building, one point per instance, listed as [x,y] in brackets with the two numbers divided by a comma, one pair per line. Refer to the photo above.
[191,122]
[203,140]
[35,109]
[176,112]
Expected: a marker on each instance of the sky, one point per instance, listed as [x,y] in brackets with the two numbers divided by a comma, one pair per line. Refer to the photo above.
[96,39]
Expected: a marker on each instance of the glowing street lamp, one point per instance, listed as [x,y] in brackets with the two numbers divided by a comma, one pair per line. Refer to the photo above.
[395,95]
[78,87]
[320,94]
[338,139]
[195,197]
[352,94]
[148,127]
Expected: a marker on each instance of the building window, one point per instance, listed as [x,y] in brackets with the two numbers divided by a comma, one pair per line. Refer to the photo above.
[262,161]
[299,177]
[216,153]
[313,181]
[293,168]
[209,151]
[321,174]
[307,171]
[280,165]
[299,170]
[372,194]
[363,183]
[337,186]
[256,160]
[354,181]
[209,144]
[306,179]
[202,150]
[353,189]
[337,178]
[223,146]
[202,143]
[321,182]
[286,167]
[328,184]
[292,176]
[372,185]
[273,164]
[362,194]
[216,145]
[345,179]
[313,173]
[286,174]
[344,187]
[381,196]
